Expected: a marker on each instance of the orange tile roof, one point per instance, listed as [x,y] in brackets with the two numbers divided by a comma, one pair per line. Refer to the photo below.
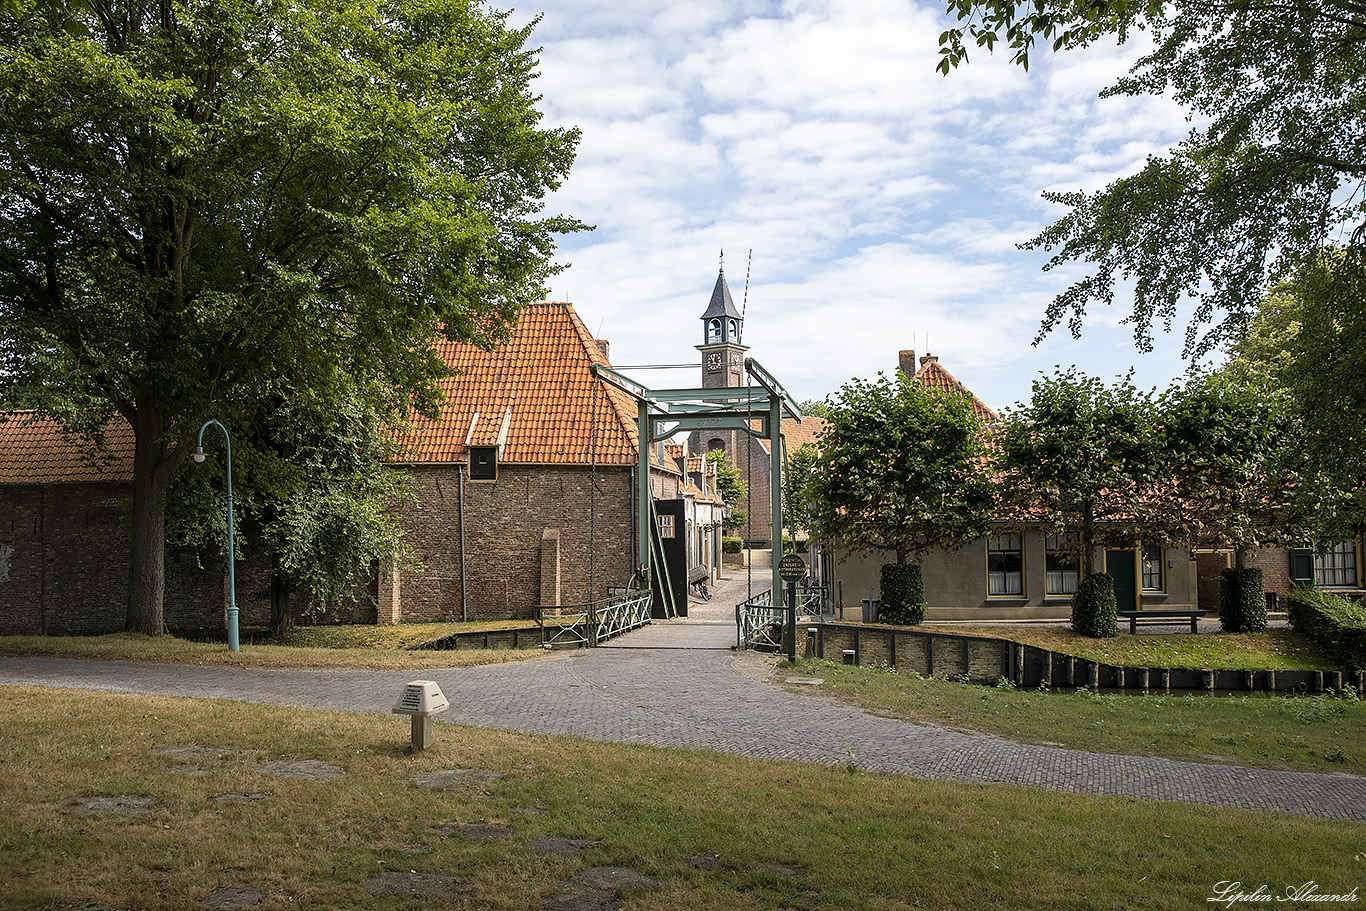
[796,433]
[933,376]
[537,384]
[36,450]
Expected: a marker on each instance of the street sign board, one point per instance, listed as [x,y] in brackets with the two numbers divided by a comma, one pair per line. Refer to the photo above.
[791,568]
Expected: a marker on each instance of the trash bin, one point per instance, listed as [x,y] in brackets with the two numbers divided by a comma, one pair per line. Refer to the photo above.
[870,606]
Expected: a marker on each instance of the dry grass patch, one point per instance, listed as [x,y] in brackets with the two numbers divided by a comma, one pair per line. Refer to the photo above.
[377,648]
[775,835]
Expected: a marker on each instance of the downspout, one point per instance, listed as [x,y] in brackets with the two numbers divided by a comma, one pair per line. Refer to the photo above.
[460,509]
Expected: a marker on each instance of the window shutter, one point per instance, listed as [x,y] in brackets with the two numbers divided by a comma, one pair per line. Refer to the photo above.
[1302,567]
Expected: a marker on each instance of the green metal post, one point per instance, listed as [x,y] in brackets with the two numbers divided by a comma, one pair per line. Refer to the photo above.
[644,505]
[775,427]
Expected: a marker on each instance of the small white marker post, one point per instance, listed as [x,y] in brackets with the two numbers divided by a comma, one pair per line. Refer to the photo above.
[421,699]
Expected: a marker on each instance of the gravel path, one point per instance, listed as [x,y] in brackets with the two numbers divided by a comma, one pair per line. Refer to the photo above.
[679,684]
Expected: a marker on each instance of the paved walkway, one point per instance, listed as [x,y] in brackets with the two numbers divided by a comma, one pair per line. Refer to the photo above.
[678,684]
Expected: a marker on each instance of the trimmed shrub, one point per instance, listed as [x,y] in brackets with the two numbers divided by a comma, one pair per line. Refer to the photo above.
[732,545]
[1333,623]
[1242,600]
[903,594]
[1094,612]
[796,547]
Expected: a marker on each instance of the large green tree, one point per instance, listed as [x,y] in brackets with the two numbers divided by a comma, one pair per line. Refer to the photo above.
[899,469]
[1273,169]
[1308,338]
[197,193]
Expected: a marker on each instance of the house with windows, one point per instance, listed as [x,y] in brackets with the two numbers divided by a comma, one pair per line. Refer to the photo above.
[523,495]
[1013,575]
[1337,569]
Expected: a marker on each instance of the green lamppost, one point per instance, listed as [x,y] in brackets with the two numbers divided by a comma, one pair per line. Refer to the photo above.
[232,554]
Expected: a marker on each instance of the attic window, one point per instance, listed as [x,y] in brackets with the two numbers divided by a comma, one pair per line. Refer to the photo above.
[483,463]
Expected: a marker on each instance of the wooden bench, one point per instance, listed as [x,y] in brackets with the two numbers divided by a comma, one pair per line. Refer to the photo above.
[1162,615]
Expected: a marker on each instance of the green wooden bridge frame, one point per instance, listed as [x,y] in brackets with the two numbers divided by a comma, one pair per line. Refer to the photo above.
[661,413]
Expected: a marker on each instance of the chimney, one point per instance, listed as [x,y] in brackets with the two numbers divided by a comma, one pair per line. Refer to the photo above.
[905,362]
[602,346]
[928,359]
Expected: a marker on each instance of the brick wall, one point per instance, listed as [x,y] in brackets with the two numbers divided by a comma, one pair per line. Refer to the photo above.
[67,573]
[505,522]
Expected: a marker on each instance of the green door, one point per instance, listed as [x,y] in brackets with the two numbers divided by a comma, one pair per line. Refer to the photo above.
[1120,565]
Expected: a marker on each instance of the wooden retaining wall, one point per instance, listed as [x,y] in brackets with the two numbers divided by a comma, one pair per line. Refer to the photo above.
[983,659]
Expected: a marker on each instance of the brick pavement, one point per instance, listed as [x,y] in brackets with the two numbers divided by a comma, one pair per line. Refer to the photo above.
[678,684]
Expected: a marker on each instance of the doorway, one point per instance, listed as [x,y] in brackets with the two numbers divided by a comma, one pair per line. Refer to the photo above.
[1121,566]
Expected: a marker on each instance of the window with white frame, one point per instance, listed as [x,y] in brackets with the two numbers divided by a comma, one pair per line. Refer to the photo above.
[1336,567]
[666,526]
[1152,569]
[1005,566]
[1060,566]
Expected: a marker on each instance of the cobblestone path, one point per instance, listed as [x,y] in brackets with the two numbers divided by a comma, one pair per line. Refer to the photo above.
[679,684]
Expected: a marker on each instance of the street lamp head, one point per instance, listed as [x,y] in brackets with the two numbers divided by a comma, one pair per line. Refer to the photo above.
[198,454]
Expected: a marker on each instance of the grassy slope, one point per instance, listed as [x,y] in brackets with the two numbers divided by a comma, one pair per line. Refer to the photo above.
[858,841]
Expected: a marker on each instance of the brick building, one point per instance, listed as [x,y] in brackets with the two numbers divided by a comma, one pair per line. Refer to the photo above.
[524,496]
[723,360]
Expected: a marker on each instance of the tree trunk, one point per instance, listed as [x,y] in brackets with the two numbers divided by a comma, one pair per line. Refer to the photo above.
[1086,564]
[147,552]
[281,612]
[1239,557]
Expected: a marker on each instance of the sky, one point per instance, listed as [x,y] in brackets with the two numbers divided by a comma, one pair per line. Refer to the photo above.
[875,203]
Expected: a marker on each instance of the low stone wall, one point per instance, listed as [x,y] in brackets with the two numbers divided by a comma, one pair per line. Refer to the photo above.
[984,659]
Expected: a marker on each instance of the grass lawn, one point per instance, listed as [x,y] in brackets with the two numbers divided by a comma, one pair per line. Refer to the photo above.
[1325,733]
[375,647]
[709,830]
[1273,650]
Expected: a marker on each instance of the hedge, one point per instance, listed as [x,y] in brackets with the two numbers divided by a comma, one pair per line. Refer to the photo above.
[1333,623]
[732,545]
[1242,600]
[1094,611]
[903,594]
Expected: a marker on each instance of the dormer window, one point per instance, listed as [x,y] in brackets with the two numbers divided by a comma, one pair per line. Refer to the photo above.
[713,331]
[483,463]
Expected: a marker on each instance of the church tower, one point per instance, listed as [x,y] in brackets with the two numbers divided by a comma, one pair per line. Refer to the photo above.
[723,357]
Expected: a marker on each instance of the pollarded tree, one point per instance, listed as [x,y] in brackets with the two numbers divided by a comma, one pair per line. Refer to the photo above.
[900,469]
[1085,461]
[196,197]
[731,487]
[1275,170]
[1232,448]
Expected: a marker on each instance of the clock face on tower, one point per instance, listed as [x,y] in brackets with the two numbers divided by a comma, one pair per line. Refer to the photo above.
[714,361]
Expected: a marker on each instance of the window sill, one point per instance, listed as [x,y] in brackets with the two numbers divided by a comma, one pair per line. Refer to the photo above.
[1005,599]
[1156,596]
[1057,599]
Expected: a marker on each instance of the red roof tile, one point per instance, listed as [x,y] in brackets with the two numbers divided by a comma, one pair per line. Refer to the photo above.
[538,385]
[36,450]
[933,376]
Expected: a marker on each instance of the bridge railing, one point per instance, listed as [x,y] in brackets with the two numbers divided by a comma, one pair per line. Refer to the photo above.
[759,622]
[581,625]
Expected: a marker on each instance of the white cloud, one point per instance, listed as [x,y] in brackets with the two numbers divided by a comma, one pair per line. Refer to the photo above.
[882,200]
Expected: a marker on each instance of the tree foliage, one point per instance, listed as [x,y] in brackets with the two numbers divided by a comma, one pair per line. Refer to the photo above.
[206,206]
[732,488]
[1274,170]
[900,469]
[1231,453]
[1308,338]
[799,475]
[1085,460]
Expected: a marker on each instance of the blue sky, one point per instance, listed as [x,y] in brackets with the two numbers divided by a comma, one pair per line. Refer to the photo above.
[882,201]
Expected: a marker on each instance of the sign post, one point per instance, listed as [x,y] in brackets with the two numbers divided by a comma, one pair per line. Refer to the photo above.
[791,568]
